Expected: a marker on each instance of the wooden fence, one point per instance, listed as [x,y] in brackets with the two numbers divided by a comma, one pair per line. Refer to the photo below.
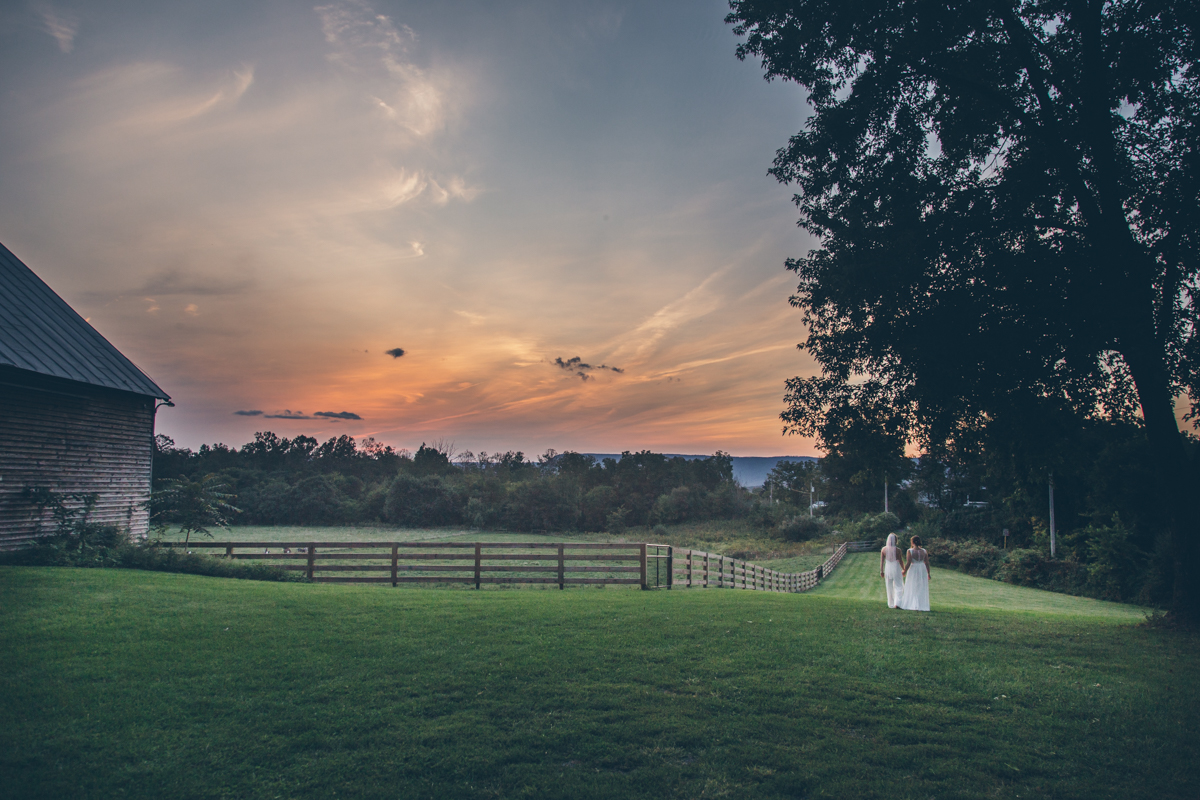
[564,563]
[695,568]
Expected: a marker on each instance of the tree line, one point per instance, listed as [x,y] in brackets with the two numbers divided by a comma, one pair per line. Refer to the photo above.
[299,481]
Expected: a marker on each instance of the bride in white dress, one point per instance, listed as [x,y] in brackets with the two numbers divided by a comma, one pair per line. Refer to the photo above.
[891,571]
[916,578]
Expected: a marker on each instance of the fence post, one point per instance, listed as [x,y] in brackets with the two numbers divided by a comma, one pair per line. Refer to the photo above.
[643,560]
[670,567]
[561,570]
[395,564]
[312,552]
[478,559]
[229,552]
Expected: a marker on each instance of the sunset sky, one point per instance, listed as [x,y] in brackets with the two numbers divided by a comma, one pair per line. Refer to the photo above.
[255,202]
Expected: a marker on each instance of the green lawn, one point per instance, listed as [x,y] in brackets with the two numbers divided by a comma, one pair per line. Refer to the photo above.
[137,684]
[857,577]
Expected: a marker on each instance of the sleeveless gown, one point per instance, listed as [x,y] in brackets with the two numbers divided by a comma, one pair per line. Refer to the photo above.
[893,576]
[916,585]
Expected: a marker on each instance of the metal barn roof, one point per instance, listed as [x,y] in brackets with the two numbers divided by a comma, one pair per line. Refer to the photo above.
[39,332]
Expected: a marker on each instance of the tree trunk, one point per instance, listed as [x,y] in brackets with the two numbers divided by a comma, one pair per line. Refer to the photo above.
[1176,480]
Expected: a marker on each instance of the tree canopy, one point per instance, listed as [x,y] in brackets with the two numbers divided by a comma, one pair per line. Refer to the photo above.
[1005,199]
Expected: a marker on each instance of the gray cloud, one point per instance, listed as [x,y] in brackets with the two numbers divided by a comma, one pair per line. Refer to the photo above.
[337,414]
[252,413]
[395,352]
[287,414]
[176,281]
[62,27]
[581,367]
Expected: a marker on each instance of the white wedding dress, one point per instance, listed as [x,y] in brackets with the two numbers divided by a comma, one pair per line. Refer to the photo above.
[893,573]
[916,585]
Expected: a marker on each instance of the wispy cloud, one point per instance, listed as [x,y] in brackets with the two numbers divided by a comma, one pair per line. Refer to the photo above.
[370,45]
[698,302]
[337,415]
[251,413]
[63,26]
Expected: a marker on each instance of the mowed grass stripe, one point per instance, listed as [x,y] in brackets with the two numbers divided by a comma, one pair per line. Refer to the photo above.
[857,577]
[122,683]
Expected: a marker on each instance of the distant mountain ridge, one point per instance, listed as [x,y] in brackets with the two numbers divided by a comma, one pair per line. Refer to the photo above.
[749,471]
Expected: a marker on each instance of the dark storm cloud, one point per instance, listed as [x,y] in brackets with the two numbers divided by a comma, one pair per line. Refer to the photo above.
[395,352]
[337,414]
[581,367]
[252,413]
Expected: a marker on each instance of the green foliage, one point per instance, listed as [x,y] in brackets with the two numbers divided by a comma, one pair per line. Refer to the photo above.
[193,505]
[614,523]
[803,528]
[428,501]
[300,482]
[1115,564]
[1005,240]
[77,542]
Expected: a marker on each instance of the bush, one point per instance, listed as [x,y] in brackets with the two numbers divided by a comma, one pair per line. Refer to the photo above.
[107,547]
[973,558]
[803,528]
[1115,564]
[1026,567]
[422,502]
[615,522]
[162,559]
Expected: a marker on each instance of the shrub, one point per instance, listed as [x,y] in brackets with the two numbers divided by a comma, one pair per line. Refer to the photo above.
[1115,564]
[161,559]
[422,502]
[803,528]
[597,504]
[973,558]
[880,525]
[615,522]
[1027,567]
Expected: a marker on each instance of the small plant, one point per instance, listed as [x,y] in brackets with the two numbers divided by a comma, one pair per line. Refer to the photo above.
[194,506]
[76,541]
[614,523]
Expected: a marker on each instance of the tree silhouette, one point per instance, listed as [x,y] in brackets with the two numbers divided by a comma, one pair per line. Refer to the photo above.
[1005,196]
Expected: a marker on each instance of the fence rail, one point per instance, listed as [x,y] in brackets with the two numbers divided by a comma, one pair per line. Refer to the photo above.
[696,568]
[478,563]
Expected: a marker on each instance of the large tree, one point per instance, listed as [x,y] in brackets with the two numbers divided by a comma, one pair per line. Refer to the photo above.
[1005,196]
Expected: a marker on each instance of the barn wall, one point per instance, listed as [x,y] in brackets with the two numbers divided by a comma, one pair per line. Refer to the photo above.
[72,438]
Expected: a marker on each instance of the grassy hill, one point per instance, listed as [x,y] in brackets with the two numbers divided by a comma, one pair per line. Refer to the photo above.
[136,684]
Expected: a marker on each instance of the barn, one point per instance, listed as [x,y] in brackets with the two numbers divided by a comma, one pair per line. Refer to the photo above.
[76,416]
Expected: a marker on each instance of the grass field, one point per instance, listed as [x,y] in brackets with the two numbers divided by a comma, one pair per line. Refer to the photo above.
[857,577]
[136,684]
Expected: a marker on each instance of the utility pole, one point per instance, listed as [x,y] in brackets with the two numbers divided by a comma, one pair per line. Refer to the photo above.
[1052,515]
[810,499]
[885,494]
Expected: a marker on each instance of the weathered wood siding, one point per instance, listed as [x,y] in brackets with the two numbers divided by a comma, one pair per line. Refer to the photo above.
[72,438]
